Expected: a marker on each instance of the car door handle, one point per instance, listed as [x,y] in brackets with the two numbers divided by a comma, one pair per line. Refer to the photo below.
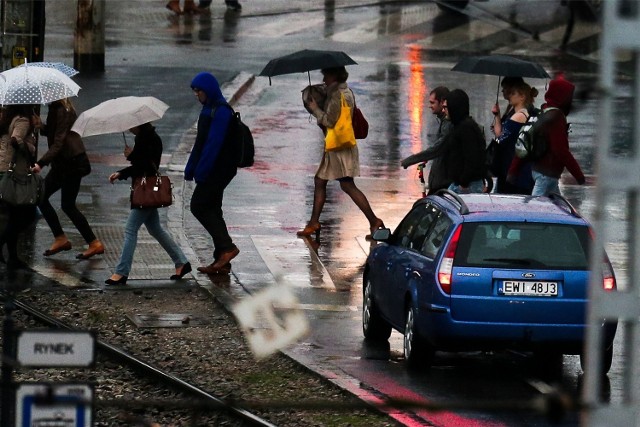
[414,274]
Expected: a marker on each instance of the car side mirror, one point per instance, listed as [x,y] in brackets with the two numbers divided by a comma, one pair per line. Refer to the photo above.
[381,235]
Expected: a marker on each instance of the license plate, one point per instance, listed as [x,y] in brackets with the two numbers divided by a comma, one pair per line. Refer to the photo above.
[512,287]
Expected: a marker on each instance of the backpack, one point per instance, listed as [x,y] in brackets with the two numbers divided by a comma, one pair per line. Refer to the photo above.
[240,136]
[532,141]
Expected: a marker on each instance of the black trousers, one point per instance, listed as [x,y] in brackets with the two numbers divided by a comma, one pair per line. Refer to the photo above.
[206,206]
[18,219]
[69,186]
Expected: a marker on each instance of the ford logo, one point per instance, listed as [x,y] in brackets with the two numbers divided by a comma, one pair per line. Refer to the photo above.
[528,275]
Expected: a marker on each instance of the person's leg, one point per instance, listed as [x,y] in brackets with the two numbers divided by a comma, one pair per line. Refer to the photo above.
[349,186]
[544,185]
[68,195]
[136,218]
[319,199]
[152,222]
[206,206]
[20,217]
[233,4]
[52,183]
[204,3]
[174,6]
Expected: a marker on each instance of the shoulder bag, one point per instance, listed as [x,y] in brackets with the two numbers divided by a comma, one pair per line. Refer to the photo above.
[360,123]
[341,136]
[153,191]
[21,189]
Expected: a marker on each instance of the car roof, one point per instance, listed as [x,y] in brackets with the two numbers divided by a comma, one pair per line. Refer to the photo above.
[507,207]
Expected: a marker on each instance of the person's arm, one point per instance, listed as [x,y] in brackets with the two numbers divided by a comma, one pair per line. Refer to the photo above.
[560,140]
[59,137]
[436,150]
[330,115]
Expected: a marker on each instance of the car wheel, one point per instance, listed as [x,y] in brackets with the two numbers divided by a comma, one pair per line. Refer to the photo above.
[607,359]
[374,326]
[417,353]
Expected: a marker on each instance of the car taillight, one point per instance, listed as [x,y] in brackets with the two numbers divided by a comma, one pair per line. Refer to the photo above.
[608,278]
[446,266]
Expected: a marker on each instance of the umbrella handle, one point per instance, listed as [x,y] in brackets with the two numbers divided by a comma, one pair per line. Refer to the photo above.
[125,140]
[498,91]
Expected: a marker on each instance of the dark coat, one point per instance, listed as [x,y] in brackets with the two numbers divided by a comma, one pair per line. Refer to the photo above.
[146,154]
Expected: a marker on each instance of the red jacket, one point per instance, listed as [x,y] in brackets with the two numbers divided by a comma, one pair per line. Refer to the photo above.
[558,156]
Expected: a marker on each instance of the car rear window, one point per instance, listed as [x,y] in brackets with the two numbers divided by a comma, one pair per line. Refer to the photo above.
[523,245]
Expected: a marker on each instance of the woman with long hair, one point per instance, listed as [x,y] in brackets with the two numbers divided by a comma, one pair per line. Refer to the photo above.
[341,165]
[69,163]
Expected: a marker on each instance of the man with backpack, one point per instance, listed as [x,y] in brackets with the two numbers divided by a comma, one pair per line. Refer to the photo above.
[212,165]
[546,169]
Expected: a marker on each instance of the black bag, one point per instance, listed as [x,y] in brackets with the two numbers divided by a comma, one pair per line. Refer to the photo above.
[21,189]
[490,155]
[239,135]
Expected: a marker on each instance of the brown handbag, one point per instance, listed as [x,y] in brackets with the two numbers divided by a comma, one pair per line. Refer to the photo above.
[151,192]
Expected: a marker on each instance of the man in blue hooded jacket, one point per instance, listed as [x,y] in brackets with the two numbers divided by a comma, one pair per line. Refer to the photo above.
[212,166]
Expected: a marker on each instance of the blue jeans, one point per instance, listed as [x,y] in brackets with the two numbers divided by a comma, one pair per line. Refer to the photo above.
[474,187]
[150,218]
[544,184]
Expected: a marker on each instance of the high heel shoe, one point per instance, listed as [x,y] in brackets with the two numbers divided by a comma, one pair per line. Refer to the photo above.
[186,269]
[121,281]
[174,6]
[308,230]
[376,225]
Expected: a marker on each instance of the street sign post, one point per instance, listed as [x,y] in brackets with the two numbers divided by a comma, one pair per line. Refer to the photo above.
[56,348]
[47,404]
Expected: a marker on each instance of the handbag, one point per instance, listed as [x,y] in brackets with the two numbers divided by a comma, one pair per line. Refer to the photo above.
[341,136]
[21,189]
[151,192]
[360,124]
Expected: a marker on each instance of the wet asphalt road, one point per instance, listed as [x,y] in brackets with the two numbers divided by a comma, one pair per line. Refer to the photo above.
[403,49]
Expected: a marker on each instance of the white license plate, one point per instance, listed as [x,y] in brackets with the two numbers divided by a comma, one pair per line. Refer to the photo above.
[512,287]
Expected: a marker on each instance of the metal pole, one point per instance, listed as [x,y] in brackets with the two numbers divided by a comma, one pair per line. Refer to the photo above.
[88,50]
[8,343]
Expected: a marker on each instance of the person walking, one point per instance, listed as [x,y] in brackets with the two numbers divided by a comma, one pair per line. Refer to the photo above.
[341,165]
[437,178]
[16,142]
[506,131]
[465,156]
[69,163]
[546,171]
[212,165]
[145,159]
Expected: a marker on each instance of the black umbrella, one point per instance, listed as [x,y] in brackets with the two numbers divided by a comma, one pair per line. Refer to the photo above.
[500,65]
[306,60]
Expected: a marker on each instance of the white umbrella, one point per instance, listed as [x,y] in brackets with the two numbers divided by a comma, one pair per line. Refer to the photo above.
[119,115]
[35,85]
[63,68]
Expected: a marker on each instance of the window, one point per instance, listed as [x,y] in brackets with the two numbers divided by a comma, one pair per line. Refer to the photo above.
[437,236]
[415,226]
[518,245]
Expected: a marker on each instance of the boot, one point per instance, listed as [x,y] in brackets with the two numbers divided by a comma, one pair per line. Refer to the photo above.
[61,243]
[174,6]
[95,248]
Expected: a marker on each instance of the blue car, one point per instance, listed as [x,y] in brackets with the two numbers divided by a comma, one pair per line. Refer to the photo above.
[484,272]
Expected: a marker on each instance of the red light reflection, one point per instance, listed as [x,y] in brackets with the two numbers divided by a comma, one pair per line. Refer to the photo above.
[417,91]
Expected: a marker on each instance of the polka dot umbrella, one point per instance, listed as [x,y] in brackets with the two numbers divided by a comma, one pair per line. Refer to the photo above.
[35,85]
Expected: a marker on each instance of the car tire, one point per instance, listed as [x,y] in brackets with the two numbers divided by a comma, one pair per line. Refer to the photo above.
[417,353]
[607,359]
[374,326]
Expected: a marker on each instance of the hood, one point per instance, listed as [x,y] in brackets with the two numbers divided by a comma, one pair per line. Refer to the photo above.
[560,94]
[458,106]
[209,85]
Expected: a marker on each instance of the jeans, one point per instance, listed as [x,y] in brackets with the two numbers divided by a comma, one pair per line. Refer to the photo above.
[544,184]
[150,218]
[206,206]
[69,185]
[474,187]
